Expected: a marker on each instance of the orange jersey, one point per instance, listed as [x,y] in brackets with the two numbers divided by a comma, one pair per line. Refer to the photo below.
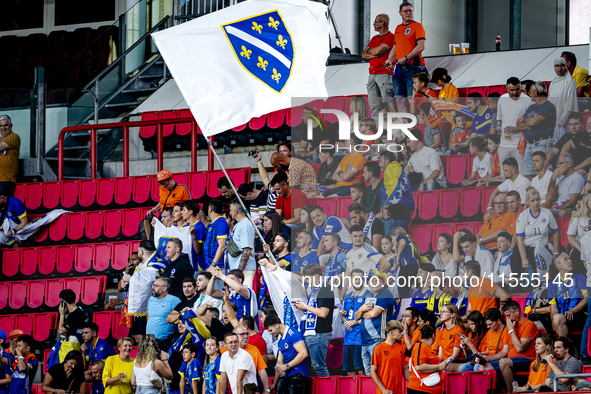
[508,221]
[423,354]
[376,65]
[449,93]
[525,329]
[390,362]
[170,198]
[481,298]
[540,376]
[448,340]
[496,169]
[460,136]
[489,227]
[493,342]
[406,38]
[347,164]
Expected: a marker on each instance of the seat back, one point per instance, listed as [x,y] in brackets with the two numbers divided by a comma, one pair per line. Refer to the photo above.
[455,382]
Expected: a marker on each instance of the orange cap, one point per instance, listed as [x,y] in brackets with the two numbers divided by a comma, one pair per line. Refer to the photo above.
[15,334]
[163,175]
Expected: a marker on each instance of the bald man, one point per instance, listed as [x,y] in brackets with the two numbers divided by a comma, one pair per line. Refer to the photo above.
[301,174]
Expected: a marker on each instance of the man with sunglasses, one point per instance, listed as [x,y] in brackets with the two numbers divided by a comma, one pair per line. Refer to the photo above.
[170,191]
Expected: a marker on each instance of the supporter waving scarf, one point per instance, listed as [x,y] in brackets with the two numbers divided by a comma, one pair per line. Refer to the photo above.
[195,331]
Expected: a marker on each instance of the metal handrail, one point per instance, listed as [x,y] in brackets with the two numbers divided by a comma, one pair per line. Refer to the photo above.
[568,376]
[126,125]
[111,66]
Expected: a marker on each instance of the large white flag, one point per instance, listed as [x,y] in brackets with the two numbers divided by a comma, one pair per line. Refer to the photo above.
[162,234]
[248,60]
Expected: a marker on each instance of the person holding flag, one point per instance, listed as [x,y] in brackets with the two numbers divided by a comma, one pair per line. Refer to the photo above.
[396,192]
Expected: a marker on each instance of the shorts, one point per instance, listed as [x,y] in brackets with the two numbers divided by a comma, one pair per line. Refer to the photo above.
[578,321]
[520,364]
[164,344]
[138,325]
[352,360]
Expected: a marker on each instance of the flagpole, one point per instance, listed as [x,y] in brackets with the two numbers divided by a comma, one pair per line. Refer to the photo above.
[256,229]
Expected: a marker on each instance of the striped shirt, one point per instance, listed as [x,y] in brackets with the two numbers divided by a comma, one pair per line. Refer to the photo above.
[301,174]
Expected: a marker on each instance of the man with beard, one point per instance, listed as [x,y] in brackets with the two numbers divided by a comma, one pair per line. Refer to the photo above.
[281,251]
[301,174]
[566,363]
[373,228]
[303,255]
[190,293]
[324,225]
[372,196]
[159,306]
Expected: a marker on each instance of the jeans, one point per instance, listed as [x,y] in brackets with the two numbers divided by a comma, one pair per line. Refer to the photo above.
[469,367]
[403,83]
[379,90]
[318,348]
[341,191]
[352,360]
[367,353]
[391,224]
[146,390]
[584,343]
[431,184]
[542,145]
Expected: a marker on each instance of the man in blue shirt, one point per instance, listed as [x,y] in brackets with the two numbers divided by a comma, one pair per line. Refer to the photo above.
[291,359]
[325,225]
[217,232]
[303,256]
[94,348]
[352,361]
[243,237]
[568,297]
[13,210]
[5,371]
[244,298]
[189,213]
[159,306]
[483,115]
[421,295]
[377,310]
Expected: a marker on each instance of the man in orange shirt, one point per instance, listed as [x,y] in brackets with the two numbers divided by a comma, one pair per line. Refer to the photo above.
[405,56]
[487,236]
[170,191]
[350,170]
[509,219]
[482,293]
[387,361]
[522,349]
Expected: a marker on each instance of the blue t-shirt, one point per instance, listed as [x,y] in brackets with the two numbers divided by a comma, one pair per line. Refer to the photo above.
[243,236]
[301,262]
[566,295]
[192,371]
[287,347]
[372,330]
[22,381]
[285,260]
[544,129]
[351,305]
[481,123]
[15,212]
[218,229]
[198,259]
[211,374]
[97,387]
[244,305]
[100,351]
[409,254]
[332,225]
[158,310]
[5,370]
[420,298]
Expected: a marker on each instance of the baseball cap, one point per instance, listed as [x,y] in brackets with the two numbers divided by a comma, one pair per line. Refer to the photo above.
[15,334]
[163,175]
[437,74]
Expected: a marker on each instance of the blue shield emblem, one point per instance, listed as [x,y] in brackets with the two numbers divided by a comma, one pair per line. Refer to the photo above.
[161,252]
[263,46]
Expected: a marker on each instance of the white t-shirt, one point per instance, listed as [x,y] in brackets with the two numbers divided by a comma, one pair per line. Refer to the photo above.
[508,111]
[484,166]
[520,184]
[569,185]
[426,161]
[541,185]
[578,227]
[502,268]
[536,229]
[486,260]
[365,258]
[242,360]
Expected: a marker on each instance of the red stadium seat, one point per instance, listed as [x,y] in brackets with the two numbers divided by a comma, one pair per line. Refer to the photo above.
[501,89]
[149,131]
[29,260]
[455,382]
[329,205]
[185,128]
[123,191]
[118,330]
[197,184]
[483,90]
[103,320]
[465,226]
[316,167]
[34,196]
[427,204]
[257,123]
[20,192]
[348,384]
[92,288]
[130,221]
[456,168]
[334,355]
[87,192]
[326,384]
[65,259]
[101,257]
[7,323]
[74,284]
[486,193]
[367,385]
[76,225]
[105,191]
[69,194]
[120,255]
[521,299]
[24,323]
[449,200]
[57,230]
[168,129]
[4,290]
[421,234]
[43,324]
[337,103]
[343,207]
[51,194]
[112,224]
[480,382]
[10,261]
[46,354]
[276,119]
[35,293]
[41,235]
[83,258]
[469,201]
[563,227]
[52,290]
[47,260]
[96,223]
[17,295]
[142,189]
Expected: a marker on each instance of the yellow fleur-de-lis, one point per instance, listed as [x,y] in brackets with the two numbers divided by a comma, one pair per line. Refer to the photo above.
[276,76]
[257,27]
[262,63]
[245,52]
[281,42]
[273,23]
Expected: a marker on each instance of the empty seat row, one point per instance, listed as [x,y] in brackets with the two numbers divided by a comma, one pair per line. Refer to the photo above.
[447,203]
[38,325]
[45,292]
[39,262]
[108,323]
[138,190]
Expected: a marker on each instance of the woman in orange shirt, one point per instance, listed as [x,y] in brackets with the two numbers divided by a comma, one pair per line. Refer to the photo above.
[539,369]
[448,340]
[424,361]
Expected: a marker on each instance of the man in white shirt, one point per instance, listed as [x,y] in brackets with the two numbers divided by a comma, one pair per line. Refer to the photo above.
[542,179]
[472,251]
[514,181]
[512,105]
[426,161]
[564,188]
[236,366]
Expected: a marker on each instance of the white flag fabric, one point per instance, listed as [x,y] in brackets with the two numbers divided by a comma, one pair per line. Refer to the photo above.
[248,60]
[31,227]
[285,288]
[162,234]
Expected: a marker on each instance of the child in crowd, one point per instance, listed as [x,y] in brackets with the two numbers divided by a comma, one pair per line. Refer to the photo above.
[492,102]
[483,162]
[460,135]
[357,190]
[190,370]
[211,372]
[494,179]
[433,136]
[421,92]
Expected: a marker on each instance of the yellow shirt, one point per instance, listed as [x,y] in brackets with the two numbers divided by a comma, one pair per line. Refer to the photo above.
[580,76]
[113,367]
[449,93]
